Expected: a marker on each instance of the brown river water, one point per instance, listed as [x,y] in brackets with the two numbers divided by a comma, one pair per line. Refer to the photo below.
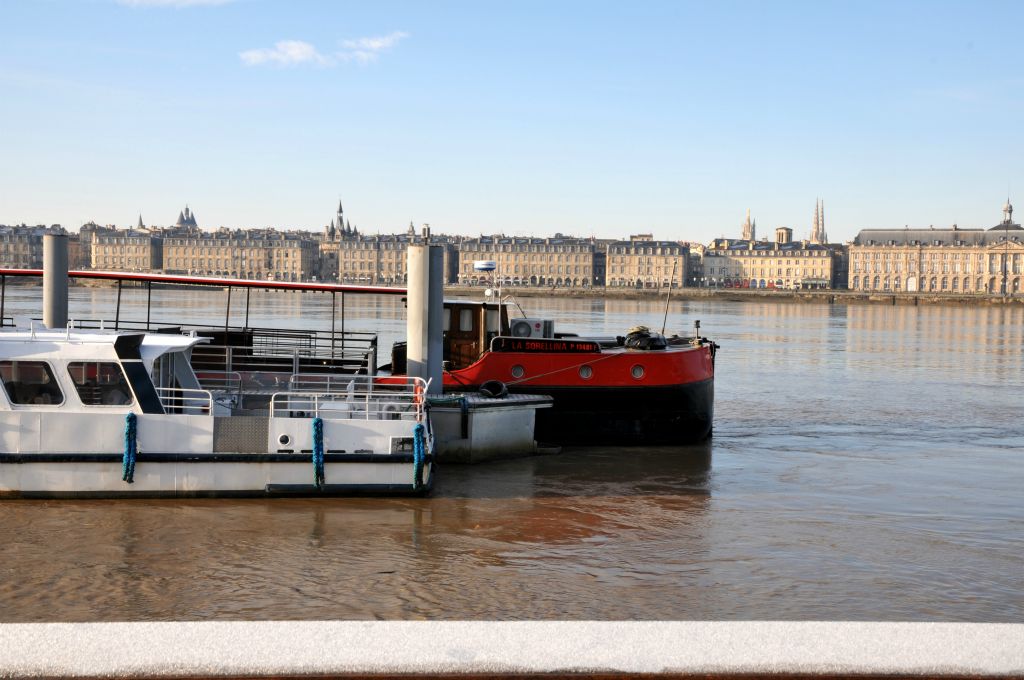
[867,464]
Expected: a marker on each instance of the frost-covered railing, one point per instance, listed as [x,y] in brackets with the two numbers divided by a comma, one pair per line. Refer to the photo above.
[183,400]
[351,397]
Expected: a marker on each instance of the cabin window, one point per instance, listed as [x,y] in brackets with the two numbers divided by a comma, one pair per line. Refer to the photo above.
[30,382]
[100,383]
[466,320]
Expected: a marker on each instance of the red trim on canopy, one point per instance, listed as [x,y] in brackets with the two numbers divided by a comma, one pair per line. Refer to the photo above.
[210,281]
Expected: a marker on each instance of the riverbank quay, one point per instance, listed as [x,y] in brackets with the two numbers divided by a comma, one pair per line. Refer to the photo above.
[831,297]
[549,649]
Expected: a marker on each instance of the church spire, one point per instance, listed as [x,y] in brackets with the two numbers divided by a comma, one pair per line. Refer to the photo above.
[748,228]
[141,225]
[818,230]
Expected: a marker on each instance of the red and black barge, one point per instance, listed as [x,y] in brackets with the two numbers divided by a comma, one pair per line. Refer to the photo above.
[640,389]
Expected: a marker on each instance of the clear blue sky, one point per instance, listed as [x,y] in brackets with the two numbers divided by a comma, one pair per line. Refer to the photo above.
[589,118]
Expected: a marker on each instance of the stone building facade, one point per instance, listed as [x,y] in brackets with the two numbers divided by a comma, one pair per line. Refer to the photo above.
[954,260]
[784,263]
[131,250]
[642,262]
[259,254]
[21,246]
[560,261]
[346,256]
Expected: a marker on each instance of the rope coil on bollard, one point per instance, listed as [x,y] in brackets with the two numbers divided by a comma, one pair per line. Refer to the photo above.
[418,455]
[318,452]
[131,448]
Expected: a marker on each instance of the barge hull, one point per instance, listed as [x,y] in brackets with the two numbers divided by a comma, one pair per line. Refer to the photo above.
[626,416]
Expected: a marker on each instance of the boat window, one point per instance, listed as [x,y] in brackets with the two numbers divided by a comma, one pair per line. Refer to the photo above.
[100,383]
[491,322]
[466,320]
[30,382]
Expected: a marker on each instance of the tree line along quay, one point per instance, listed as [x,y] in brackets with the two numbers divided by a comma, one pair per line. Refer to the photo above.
[892,265]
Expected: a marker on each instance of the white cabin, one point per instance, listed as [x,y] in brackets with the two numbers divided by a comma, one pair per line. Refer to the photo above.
[65,428]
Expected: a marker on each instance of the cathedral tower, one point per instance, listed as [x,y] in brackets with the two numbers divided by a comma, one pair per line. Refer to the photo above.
[749,228]
[818,234]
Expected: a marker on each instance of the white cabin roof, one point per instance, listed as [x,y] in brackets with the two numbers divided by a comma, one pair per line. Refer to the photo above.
[87,344]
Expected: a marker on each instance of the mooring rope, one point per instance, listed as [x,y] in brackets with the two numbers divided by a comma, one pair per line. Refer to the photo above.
[131,448]
[419,445]
[318,452]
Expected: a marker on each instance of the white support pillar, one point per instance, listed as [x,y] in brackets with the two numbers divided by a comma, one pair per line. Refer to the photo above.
[424,324]
[55,281]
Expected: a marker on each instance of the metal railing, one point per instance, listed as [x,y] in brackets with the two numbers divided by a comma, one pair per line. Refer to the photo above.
[351,397]
[223,382]
[185,400]
[246,359]
[235,348]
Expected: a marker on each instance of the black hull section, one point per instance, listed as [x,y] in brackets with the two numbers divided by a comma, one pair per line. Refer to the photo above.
[625,416]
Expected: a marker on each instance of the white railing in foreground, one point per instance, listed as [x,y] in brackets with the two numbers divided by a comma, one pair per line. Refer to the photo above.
[183,400]
[351,397]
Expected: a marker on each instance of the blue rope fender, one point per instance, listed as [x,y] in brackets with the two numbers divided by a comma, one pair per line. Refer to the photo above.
[131,448]
[419,444]
[318,452]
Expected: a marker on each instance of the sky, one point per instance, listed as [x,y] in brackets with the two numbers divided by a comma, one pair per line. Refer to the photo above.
[587,118]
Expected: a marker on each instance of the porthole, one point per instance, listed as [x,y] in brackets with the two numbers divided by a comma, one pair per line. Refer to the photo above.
[586,372]
[518,371]
[637,371]
[284,440]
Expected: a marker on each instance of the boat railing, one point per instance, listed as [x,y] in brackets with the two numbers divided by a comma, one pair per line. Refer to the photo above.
[267,374]
[223,382]
[355,398]
[316,356]
[253,348]
[185,400]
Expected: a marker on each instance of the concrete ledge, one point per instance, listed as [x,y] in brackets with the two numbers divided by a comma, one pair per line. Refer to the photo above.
[252,649]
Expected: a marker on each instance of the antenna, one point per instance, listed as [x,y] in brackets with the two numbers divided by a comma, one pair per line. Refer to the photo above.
[668,295]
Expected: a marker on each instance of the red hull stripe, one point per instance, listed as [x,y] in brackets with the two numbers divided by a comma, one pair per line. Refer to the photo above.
[210,281]
[613,368]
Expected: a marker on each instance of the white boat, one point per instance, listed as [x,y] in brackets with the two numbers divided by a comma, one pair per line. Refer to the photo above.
[115,414]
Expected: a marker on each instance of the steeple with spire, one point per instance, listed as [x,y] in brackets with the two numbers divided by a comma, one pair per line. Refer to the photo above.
[818,234]
[187,218]
[749,228]
[141,225]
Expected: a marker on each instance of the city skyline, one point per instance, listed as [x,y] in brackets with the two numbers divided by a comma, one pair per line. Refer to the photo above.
[591,120]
